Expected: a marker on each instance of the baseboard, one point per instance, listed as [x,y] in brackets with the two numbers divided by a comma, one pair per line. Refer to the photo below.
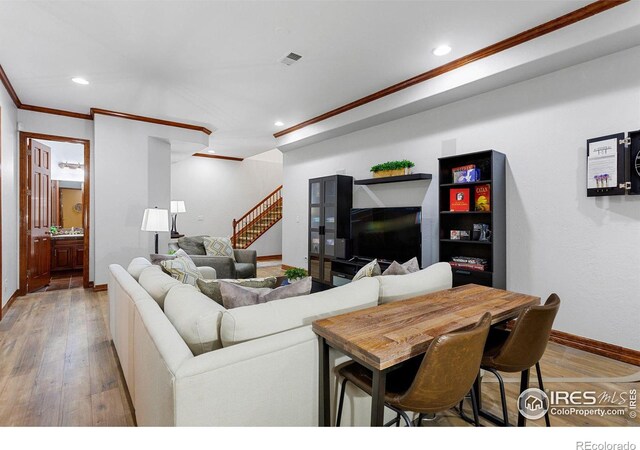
[268,257]
[12,299]
[616,352]
[285,267]
[100,287]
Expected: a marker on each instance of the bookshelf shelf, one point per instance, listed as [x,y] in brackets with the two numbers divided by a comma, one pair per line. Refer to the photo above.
[462,241]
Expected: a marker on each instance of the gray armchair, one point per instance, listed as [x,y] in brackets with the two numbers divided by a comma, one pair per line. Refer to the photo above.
[244,265]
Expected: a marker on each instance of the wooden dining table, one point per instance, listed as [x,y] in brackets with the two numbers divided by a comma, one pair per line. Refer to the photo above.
[383,337]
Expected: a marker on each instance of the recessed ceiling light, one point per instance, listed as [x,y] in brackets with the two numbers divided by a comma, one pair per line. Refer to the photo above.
[279,123]
[441,50]
[211,151]
[79,80]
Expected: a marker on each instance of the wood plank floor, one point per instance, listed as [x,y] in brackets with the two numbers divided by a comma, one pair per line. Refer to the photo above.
[58,367]
[57,363]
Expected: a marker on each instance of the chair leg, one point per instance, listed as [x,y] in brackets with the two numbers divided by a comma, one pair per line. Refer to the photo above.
[398,420]
[342,390]
[503,397]
[541,386]
[524,385]
[406,418]
[474,406]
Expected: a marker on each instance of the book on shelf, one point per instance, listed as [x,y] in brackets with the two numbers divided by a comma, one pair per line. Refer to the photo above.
[483,197]
[465,174]
[459,200]
[459,265]
[469,260]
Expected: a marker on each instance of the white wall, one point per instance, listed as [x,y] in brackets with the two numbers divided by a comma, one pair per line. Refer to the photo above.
[130,175]
[9,146]
[558,240]
[216,191]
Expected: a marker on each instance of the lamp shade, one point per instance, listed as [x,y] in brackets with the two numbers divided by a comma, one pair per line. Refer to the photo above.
[155,219]
[177,207]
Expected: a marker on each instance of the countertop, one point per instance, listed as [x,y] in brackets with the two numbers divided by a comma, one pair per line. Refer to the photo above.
[67,236]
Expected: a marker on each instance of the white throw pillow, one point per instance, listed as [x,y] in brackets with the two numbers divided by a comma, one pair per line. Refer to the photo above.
[218,246]
[372,269]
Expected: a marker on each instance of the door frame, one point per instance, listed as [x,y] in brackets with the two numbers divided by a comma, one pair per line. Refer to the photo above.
[86,201]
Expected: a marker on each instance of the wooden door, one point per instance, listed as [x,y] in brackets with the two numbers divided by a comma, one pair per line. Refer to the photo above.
[39,216]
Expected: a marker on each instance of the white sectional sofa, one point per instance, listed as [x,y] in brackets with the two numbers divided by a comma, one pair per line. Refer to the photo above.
[188,361]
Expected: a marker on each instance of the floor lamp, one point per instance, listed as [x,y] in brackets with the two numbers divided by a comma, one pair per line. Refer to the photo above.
[155,220]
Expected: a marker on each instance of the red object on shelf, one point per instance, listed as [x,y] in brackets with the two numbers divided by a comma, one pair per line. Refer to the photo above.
[459,200]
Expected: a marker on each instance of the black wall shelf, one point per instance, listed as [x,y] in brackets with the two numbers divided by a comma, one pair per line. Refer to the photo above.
[398,179]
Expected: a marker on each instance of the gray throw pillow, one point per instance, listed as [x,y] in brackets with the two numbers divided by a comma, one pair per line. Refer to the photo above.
[211,288]
[396,268]
[193,245]
[234,296]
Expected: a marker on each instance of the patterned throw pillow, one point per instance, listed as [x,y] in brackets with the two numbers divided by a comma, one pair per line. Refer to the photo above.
[218,246]
[396,268]
[370,270]
[234,296]
[211,288]
[182,269]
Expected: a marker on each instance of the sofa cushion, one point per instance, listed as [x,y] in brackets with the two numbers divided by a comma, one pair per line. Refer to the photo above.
[372,269]
[136,266]
[195,317]
[218,246]
[399,287]
[245,269]
[182,269]
[252,322]
[211,288]
[235,296]
[193,245]
[157,283]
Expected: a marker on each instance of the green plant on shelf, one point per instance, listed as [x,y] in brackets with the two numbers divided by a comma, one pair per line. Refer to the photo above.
[295,273]
[393,165]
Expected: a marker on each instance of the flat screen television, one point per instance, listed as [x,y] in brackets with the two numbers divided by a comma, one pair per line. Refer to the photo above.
[387,233]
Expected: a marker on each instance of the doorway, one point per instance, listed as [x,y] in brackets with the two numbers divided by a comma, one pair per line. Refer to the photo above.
[54,212]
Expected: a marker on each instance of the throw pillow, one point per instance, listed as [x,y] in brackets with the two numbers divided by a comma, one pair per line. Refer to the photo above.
[234,296]
[211,288]
[412,265]
[182,269]
[218,246]
[372,269]
[396,268]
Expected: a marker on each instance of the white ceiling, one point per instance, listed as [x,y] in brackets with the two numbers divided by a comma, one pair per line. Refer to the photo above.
[215,62]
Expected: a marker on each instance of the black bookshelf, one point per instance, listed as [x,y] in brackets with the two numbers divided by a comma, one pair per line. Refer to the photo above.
[492,172]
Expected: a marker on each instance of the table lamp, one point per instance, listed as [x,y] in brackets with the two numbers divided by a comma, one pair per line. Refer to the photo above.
[155,220]
[177,207]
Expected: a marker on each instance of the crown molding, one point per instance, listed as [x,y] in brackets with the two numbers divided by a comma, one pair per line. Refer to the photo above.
[168,123]
[56,112]
[9,87]
[558,23]
[228,158]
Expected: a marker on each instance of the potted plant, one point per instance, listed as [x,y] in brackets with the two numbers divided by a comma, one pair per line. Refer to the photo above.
[295,274]
[392,168]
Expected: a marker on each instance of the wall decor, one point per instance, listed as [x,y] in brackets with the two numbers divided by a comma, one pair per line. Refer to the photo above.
[613,164]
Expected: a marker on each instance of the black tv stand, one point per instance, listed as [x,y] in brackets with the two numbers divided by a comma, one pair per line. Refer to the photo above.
[343,270]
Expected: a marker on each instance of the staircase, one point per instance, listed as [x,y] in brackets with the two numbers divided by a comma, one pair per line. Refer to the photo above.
[258,220]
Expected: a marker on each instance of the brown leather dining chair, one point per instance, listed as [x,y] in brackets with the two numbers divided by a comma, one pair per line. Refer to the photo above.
[517,351]
[445,375]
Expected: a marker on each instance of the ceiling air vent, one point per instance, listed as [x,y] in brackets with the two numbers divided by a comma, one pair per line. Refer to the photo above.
[290,59]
